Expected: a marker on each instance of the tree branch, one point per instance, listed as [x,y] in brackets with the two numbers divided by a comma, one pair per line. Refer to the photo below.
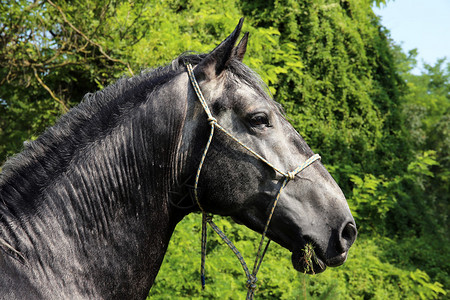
[100,48]
[63,105]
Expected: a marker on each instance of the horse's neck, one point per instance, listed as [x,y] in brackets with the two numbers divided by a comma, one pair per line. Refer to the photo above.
[103,222]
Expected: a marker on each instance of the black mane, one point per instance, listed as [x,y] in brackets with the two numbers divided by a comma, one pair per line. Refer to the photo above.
[80,126]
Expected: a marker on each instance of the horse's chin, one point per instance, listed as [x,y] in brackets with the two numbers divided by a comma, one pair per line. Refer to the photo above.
[312,263]
[308,266]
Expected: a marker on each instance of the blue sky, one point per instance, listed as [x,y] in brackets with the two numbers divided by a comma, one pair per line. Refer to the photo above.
[421,24]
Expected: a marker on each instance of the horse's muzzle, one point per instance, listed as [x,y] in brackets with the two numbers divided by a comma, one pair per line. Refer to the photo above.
[311,258]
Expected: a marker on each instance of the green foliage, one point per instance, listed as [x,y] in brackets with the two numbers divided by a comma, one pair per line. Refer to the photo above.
[225,278]
[427,252]
[346,87]
[368,274]
[372,198]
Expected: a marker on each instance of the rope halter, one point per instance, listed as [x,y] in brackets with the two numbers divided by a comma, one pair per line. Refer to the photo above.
[207,218]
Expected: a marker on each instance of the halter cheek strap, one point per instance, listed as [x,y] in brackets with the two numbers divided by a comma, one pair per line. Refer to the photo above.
[207,218]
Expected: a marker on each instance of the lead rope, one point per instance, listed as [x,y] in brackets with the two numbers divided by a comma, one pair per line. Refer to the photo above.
[207,218]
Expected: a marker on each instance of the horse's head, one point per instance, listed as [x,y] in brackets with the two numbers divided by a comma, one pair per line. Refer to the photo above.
[311,209]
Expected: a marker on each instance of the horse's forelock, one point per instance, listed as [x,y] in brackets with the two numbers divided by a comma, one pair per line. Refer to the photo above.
[249,77]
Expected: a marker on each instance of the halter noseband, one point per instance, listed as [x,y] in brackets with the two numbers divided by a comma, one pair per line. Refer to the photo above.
[207,218]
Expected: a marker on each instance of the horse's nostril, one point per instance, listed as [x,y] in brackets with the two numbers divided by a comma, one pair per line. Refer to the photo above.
[348,235]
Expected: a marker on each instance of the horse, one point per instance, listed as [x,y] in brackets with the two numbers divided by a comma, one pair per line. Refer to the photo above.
[88,208]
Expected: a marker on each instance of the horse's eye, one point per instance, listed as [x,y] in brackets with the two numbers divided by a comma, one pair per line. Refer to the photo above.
[259,120]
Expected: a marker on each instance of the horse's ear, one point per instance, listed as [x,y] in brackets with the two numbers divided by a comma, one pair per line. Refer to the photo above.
[240,49]
[216,61]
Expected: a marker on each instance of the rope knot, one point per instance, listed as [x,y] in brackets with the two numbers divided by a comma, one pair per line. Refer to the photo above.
[291,175]
[208,217]
[212,120]
[251,282]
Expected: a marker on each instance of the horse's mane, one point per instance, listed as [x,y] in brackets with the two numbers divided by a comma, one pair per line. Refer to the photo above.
[70,129]
[51,151]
